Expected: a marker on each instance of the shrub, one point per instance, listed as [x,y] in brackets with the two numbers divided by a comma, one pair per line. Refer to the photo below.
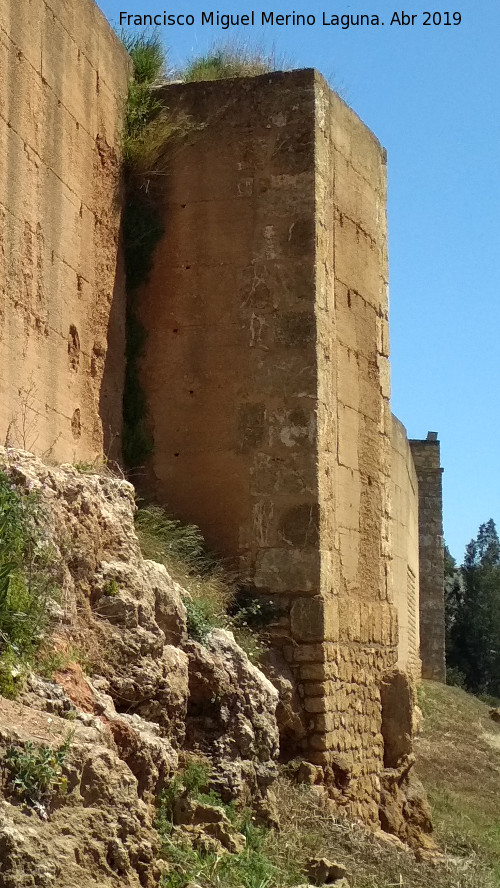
[35,773]
[28,581]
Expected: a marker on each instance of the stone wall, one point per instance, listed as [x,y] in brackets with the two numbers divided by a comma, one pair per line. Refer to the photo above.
[426,456]
[266,372]
[405,549]
[62,88]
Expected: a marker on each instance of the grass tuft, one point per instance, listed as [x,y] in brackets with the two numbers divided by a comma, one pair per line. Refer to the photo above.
[230,60]
[212,602]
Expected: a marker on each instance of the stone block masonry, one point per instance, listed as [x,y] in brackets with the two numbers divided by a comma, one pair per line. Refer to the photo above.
[426,456]
[63,83]
[267,377]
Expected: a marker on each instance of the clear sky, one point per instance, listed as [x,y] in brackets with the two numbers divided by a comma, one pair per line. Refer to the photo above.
[431,94]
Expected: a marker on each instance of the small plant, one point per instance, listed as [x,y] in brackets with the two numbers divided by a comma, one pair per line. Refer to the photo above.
[199,623]
[35,773]
[28,582]
[166,538]
[111,587]
[49,660]
[196,777]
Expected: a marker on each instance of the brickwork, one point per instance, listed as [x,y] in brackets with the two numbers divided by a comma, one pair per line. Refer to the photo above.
[270,414]
[62,89]
[426,456]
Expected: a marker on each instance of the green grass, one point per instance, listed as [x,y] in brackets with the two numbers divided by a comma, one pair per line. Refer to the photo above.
[458,758]
[459,764]
[251,868]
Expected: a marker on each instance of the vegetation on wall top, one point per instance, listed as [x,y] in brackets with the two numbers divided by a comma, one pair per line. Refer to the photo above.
[222,62]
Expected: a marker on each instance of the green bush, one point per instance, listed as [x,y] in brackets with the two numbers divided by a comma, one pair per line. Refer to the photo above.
[35,773]
[28,582]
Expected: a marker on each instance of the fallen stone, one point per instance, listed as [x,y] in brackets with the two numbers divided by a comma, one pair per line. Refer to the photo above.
[210,820]
[322,871]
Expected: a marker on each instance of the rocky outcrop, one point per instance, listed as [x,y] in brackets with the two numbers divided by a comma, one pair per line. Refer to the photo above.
[232,717]
[99,832]
[151,695]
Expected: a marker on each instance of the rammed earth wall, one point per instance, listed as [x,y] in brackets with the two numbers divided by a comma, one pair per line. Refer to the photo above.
[267,377]
[63,82]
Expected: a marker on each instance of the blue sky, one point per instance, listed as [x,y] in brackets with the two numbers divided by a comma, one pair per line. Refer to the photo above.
[431,94]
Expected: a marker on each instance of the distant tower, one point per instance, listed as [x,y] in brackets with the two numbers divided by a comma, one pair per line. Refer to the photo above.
[426,456]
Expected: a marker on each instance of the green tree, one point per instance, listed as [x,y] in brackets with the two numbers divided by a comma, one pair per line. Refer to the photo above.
[473,614]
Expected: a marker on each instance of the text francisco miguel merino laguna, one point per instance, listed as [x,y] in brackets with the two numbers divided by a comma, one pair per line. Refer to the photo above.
[226,20]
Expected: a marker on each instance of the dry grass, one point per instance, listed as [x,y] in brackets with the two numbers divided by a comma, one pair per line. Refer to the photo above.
[233,59]
[307,828]
[459,764]
[181,548]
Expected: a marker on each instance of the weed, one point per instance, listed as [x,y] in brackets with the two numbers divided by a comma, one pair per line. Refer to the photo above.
[111,587]
[35,773]
[142,225]
[28,582]
[181,548]
[48,660]
[165,538]
[23,427]
[196,777]
[199,623]
[249,869]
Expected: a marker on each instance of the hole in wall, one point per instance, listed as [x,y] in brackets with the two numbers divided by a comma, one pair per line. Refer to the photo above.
[176,454]
[396,697]
[73,347]
[76,424]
